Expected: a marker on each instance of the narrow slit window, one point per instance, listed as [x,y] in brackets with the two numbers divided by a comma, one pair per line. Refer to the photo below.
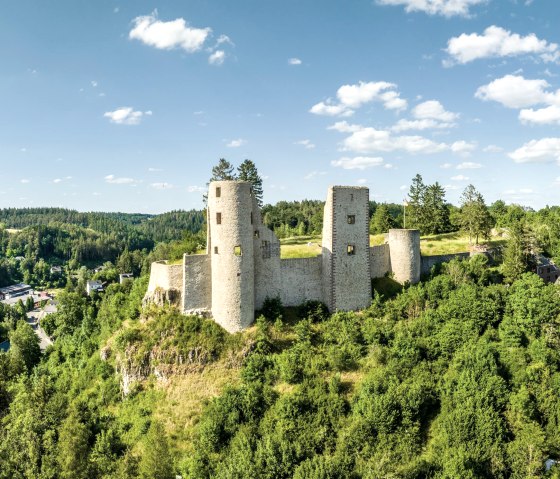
[218,191]
[351,249]
[351,196]
[215,250]
[237,250]
[257,234]
[251,217]
[351,219]
[218,218]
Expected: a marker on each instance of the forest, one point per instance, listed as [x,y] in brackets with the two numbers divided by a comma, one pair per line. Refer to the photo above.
[455,377]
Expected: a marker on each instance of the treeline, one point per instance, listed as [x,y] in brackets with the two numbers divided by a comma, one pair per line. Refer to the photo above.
[165,227]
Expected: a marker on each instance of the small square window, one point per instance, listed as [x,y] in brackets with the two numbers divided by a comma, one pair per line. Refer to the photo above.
[351,219]
[218,191]
[218,218]
[351,249]
[237,250]
[257,234]
[215,250]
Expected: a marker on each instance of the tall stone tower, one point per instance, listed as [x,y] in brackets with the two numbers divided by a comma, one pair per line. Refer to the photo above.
[406,261]
[230,246]
[346,271]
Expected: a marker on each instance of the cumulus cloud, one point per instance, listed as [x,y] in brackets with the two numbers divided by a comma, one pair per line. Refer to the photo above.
[294,61]
[112,179]
[446,8]
[25,181]
[196,189]
[468,165]
[351,97]
[497,42]
[366,140]
[428,115]
[542,116]
[544,150]
[357,163]
[168,35]
[236,143]
[307,144]
[126,115]
[217,57]
[493,149]
[514,91]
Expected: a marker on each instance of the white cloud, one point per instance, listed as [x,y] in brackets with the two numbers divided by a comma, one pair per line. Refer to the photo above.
[294,61]
[168,35]
[463,147]
[25,181]
[537,151]
[23,150]
[514,91]
[126,115]
[498,42]
[433,110]
[447,8]
[428,115]
[161,186]
[119,181]
[542,116]
[446,166]
[305,143]
[196,189]
[468,165]
[152,170]
[352,97]
[217,58]
[357,163]
[493,149]
[236,143]
[460,178]
[94,84]
[361,181]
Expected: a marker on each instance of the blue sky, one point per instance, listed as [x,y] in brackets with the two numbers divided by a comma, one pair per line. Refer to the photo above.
[125,106]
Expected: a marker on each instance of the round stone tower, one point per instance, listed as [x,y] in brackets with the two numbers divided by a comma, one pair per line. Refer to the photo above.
[230,244]
[406,261]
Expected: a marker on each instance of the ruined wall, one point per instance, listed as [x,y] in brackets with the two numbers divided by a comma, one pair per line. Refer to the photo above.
[326,250]
[165,276]
[406,261]
[230,216]
[301,280]
[268,277]
[379,260]
[429,261]
[197,283]
[349,248]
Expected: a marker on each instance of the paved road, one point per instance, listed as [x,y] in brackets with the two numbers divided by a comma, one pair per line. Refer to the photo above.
[33,321]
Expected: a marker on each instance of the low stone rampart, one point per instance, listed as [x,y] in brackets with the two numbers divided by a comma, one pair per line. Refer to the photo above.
[197,283]
[379,260]
[429,261]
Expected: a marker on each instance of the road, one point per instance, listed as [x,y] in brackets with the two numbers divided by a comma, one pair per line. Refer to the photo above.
[33,321]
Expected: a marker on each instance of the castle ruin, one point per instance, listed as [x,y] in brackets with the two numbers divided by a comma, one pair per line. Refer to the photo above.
[242,264]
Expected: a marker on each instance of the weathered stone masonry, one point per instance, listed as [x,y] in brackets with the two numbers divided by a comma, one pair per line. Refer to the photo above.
[242,264]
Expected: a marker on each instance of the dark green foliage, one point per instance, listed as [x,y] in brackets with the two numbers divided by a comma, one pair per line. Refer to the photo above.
[427,209]
[474,217]
[381,221]
[272,308]
[247,171]
[156,461]
[316,311]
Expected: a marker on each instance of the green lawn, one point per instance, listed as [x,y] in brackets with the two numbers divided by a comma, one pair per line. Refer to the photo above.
[300,247]
[449,243]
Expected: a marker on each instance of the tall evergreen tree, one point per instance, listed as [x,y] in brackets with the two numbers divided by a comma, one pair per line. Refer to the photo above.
[381,221]
[415,212]
[475,218]
[156,462]
[247,171]
[223,171]
[435,210]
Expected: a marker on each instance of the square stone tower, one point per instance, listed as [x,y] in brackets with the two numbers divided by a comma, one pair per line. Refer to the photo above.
[346,270]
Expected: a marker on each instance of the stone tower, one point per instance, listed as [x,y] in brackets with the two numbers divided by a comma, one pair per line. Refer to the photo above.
[346,252]
[230,246]
[406,261]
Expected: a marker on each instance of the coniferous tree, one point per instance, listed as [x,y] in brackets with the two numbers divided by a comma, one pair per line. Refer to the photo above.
[247,171]
[416,214]
[435,210]
[156,462]
[73,448]
[475,218]
[381,221]
[223,171]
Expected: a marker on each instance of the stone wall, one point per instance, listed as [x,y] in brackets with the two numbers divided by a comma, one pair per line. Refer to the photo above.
[429,261]
[301,280]
[165,276]
[197,283]
[379,260]
[268,278]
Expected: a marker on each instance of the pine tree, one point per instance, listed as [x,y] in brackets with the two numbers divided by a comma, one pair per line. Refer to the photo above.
[156,462]
[381,221]
[435,210]
[223,171]
[73,448]
[416,196]
[247,171]
[475,218]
